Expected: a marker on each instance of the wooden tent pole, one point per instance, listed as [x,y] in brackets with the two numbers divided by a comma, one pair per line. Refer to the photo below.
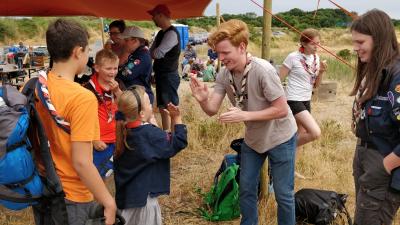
[266,39]
[218,16]
[265,54]
[102,30]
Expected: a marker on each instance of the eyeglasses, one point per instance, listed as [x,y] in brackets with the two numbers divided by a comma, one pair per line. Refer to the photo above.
[113,33]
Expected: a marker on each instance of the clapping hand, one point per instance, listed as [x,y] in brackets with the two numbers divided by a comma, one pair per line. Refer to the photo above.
[323,66]
[234,115]
[172,110]
[199,89]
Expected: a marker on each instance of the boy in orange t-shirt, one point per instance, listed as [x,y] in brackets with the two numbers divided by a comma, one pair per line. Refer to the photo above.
[67,42]
[106,90]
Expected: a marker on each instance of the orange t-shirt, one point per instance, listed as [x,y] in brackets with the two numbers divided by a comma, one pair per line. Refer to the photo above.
[78,106]
[107,109]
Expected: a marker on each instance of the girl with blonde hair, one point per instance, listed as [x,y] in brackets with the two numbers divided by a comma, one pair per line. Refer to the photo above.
[142,159]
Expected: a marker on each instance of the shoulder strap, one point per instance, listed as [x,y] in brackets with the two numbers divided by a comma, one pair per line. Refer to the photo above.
[53,181]
[92,87]
[44,96]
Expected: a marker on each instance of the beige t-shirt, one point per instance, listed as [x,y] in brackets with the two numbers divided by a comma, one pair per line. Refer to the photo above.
[263,87]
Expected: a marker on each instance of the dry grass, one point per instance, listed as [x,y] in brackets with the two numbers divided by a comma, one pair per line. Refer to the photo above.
[327,162]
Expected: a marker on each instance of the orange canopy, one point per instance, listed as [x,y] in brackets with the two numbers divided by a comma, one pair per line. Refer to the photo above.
[118,9]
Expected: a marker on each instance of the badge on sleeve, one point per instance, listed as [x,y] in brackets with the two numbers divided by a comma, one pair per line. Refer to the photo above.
[136,62]
[390,97]
[396,111]
[397,88]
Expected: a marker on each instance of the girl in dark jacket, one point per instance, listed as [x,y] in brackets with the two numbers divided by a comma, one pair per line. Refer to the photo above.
[376,119]
[142,161]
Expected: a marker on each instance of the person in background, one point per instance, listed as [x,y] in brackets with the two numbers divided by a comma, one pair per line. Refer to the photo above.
[188,54]
[304,71]
[376,119]
[187,69]
[115,28]
[22,50]
[209,72]
[108,44]
[137,68]
[142,160]
[165,51]
[212,54]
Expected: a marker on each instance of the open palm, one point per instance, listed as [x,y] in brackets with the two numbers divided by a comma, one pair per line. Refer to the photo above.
[199,89]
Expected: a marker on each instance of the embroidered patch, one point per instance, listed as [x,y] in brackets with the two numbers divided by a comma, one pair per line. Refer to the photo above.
[130,65]
[397,88]
[136,62]
[396,111]
[390,97]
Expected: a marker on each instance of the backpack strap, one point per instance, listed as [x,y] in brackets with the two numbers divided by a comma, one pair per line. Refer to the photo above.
[51,176]
[347,215]
[342,199]
[44,96]
[7,194]
[53,195]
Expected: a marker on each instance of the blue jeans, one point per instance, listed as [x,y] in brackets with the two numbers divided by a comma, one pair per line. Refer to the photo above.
[281,161]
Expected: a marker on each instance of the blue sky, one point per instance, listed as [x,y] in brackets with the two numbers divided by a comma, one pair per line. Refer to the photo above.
[391,7]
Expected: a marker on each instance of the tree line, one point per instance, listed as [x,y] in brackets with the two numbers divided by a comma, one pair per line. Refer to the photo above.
[298,18]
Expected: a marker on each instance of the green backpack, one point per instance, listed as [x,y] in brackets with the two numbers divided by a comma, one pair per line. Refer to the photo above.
[222,201]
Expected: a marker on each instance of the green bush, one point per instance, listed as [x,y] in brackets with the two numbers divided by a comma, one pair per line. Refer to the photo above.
[6,30]
[345,54]
[27,27]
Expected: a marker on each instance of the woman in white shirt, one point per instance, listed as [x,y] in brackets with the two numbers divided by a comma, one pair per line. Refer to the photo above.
[304,71]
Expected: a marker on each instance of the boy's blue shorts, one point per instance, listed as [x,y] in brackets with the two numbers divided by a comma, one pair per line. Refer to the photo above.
[103,160]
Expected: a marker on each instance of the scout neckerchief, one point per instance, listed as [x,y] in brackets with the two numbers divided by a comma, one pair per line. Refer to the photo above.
[44,96]
[357,112]
[103,97]
[240,95]
[310,69]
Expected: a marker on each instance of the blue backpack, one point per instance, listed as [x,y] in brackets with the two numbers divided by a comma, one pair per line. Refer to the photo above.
[22,143]
[20,185]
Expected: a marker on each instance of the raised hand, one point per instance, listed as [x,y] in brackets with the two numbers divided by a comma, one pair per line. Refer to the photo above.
[323,66]
[199,89]
[173,110]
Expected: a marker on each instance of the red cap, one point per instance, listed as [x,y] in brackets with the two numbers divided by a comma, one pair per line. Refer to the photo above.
[161,8]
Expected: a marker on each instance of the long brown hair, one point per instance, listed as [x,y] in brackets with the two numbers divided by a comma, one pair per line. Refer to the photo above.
[379,26]
[129,107]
